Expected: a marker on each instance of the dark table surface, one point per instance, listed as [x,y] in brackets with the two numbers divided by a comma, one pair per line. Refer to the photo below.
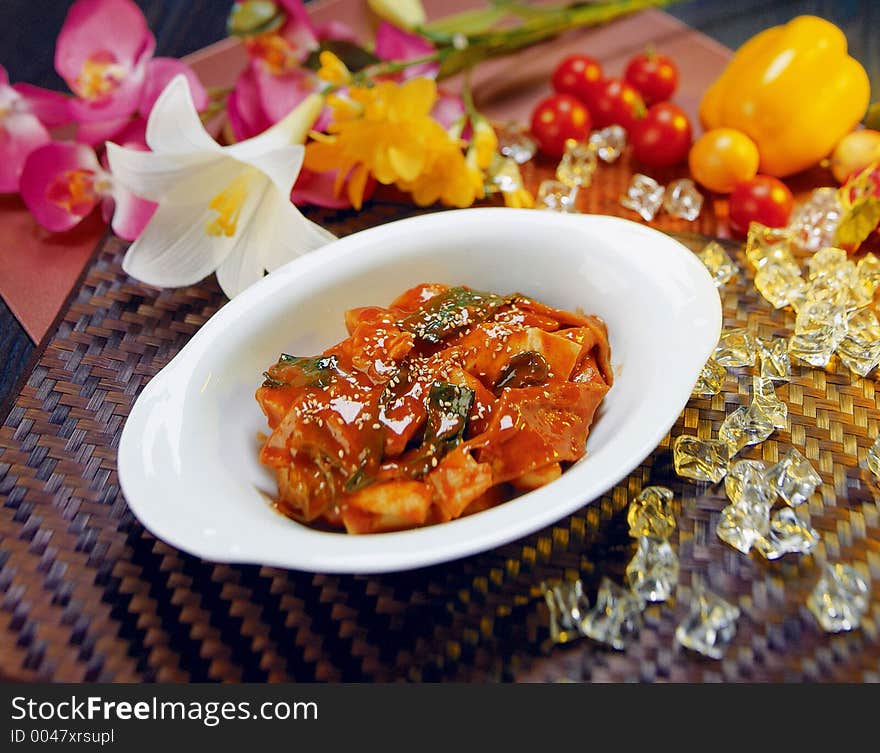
[29,28]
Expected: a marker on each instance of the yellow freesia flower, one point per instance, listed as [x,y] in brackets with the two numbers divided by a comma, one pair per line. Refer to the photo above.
[451,178]
[519,198]
[386,131]
[485,142]
[332,69]
[504,176]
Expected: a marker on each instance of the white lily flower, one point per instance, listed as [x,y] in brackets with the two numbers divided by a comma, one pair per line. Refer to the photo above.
[224,209]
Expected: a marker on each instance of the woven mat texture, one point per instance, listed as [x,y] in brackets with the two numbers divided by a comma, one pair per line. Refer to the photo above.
[87,594]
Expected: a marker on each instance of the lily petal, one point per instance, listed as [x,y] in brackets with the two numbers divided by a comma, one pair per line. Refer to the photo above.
[244,266]
[154,176]
[288,233]
[174,249]
[114,28]
[280,165]
[160,71]
[48,166]
[174,125]
[293,129]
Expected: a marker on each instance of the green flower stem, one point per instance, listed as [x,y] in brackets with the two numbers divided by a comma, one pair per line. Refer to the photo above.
[457,51]
[541,24]
[390,67]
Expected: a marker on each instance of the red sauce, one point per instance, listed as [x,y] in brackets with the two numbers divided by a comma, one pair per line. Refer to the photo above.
[445,403]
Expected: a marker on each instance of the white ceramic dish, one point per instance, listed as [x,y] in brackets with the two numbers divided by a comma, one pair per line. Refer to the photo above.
[188,454]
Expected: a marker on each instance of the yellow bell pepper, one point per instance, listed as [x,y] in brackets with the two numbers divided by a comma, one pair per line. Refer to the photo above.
[794,90]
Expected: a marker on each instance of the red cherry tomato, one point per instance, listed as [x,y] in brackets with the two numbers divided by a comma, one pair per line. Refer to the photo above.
[762,199]
[618,103]
[580,76]
[663,137]
[557,119]
[653,75]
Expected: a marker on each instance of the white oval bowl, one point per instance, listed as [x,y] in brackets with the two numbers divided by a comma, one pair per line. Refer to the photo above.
[188,462]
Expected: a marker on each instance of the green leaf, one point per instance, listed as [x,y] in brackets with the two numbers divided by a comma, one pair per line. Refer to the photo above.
[526,369]
[448,408]
[252,17]
[359,479]
[859,222]
[467,22]
[449,312]
[354,56]
[293,371]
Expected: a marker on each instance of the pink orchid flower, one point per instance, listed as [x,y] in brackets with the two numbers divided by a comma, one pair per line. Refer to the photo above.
[105,55]
[20,133]
[63,182]
[393,43]
[274,83]
[396,44]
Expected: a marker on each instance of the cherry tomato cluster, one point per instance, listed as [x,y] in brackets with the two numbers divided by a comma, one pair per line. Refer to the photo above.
[659,131]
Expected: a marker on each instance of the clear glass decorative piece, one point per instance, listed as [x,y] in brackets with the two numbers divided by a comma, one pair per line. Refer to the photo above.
[787,535]
[577,165]
[746,426]
[617,616]
[683,199]
[775,362]
[567,605]
[711,379]
[840,598]
[644,195]
[609,142]
[710,626]
[515,141]
[700,459]
[556,196]
[793,478]
[650,514]
[736,347]
[652,573]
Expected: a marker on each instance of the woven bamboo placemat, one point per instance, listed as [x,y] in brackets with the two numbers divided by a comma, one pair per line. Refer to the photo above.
[87,594]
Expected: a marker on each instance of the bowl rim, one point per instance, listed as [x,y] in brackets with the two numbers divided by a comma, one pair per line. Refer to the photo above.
[412,548]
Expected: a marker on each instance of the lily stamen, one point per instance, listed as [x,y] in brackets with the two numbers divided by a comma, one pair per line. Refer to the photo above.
[228,204]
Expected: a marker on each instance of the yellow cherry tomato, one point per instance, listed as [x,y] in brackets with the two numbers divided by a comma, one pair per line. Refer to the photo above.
[722,157]
[854,152]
